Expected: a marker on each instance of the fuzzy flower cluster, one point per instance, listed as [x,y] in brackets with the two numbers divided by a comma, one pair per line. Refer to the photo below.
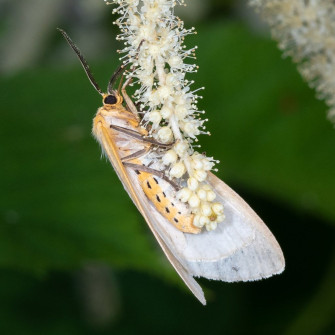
[305,30]
[153,37]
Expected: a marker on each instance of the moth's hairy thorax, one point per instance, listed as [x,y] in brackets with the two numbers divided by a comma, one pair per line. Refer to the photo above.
[118,116]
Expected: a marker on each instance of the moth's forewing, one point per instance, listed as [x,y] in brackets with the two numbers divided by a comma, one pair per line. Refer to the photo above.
[167,241]
[131,184]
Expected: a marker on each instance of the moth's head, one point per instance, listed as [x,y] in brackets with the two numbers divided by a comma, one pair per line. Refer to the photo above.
[112,99]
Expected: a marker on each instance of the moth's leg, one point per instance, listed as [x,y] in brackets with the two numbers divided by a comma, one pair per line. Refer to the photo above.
[127,131]
[159,174]
[140,137]
[118,72]
[136,154]
[129,103]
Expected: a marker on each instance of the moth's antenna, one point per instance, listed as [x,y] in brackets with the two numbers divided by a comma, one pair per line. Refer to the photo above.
[82,61]
[120,85]
[114,77]
[119,71]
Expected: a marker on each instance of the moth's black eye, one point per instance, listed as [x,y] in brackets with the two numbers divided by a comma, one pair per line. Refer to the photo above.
[110,100]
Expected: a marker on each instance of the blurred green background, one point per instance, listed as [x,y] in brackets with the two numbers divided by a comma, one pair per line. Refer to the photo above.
[75,255]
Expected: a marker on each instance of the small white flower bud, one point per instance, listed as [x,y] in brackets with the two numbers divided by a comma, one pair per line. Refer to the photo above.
[211,226]
[220,218]
[165,134]
[217,208]
[206,209]
[202,194]
[196,222]
[184,194]
[170,157]
[155,117]
[180,112]
[191,129]
[164,92]
[153,97]
[207,165]
[177,170]
[197,164]
[204,220]
[147,81]
[171,79]
[194,201]
[144,32]
[152,13]
[179,99]
[181,148]
[200,175]
[154,50]
[206,187]
[166,112]
[192,184]
[134,20]
[210,196]
[175,61]
[197,155]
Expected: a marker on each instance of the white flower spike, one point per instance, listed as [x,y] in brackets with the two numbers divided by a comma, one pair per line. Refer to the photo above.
[164,92]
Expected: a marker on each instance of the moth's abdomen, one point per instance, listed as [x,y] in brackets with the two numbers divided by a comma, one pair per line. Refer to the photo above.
[169,208]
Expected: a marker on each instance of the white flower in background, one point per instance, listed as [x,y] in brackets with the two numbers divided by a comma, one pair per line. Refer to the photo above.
[153,38]
[305,30]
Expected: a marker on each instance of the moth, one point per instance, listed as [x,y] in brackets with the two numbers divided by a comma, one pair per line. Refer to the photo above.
[242,248]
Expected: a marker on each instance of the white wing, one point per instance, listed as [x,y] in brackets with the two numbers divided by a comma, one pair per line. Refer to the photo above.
[258,257]
[242,248]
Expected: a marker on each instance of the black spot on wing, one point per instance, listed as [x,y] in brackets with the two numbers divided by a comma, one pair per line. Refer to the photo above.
[175,220]
[156,181]
[164,194]
[148,184]
[167,210]
[137,172]
[158,198]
